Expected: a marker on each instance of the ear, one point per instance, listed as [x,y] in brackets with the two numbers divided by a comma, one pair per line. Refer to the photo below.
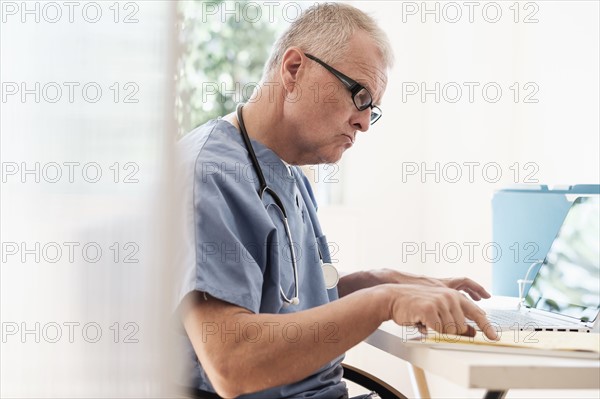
[291,68]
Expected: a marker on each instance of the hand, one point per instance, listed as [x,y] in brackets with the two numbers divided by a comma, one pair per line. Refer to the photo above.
[472,288]
[439,308]
[475,290]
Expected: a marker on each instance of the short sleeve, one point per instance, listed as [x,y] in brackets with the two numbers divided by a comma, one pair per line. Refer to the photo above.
[231,233]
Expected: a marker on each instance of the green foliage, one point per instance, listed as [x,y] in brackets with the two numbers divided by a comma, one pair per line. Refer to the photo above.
[222,58]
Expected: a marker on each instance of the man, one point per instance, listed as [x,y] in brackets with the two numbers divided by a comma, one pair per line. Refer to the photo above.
[255,304]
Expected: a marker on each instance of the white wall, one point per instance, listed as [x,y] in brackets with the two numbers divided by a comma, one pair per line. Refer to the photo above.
[556,138]
[554,141]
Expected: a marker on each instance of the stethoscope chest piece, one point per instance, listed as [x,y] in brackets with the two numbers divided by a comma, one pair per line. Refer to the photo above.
[331,275]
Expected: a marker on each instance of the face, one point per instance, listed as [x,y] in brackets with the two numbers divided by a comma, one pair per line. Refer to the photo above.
[326,121]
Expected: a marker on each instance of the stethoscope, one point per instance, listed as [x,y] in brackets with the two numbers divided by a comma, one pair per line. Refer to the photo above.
[330,273]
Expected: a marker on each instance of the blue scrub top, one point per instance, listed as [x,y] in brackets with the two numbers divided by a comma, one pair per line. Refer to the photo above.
[236,248]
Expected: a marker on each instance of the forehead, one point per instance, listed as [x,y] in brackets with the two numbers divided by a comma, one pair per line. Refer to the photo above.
[364,63]
[373,77]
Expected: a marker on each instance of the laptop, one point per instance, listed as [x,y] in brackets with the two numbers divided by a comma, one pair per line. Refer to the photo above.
[565,294]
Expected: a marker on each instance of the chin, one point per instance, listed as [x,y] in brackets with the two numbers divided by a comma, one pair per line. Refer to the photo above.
[331,157]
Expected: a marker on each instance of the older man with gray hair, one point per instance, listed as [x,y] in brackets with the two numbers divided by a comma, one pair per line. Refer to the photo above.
[265,312]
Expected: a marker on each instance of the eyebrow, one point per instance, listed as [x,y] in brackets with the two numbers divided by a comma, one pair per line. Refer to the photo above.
[367,86]
[361,81]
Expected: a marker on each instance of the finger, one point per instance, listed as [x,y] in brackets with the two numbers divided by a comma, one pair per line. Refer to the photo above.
[422,328]
[477,314]
[470,331]
[473,294]
[474,289]
[460,321]
[434,321]
[451,312]
[482,292]
[459,325]
[449,320]
[467,329]
[477,288]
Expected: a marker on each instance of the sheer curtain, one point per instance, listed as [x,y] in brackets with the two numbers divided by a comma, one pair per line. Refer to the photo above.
[87,122]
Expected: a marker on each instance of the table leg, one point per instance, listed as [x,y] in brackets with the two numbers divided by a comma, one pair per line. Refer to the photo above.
[495,394]
[419,382]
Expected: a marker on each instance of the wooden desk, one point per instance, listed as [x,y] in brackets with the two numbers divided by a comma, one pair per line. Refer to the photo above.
[495,372]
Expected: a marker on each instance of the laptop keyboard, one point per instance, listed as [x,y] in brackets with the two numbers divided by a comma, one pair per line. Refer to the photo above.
[515,320]
[507,317]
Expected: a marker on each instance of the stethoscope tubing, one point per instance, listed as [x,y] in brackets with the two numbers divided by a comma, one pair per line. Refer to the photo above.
[264,188]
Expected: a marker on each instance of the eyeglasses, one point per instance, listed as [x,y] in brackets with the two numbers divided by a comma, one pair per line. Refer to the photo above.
[360,95]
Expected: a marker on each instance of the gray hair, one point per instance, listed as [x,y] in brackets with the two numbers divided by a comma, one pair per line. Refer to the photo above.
[324,30]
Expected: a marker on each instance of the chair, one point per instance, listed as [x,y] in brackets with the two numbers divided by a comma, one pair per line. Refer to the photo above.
[371,382]
[351,373]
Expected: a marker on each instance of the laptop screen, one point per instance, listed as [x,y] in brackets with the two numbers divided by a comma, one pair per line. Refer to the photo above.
[568,282]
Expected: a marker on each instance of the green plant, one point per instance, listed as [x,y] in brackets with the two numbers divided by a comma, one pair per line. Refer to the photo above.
[222,57]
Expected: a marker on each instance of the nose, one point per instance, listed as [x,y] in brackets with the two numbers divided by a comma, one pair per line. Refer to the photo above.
[361,120]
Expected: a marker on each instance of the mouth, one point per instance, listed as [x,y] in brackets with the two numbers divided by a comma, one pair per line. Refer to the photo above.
[350,138]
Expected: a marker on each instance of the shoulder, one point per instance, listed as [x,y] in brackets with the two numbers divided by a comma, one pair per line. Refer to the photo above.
[213,149]
[213,160]
[216,140]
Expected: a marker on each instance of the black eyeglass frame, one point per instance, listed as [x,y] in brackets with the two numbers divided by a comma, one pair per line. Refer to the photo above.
[354,87]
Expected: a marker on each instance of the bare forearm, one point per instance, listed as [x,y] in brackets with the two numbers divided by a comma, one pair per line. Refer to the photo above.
[364,279]
[289,347]
[278,349]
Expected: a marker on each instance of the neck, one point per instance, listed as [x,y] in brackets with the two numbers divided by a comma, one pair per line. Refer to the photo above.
[264,123]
